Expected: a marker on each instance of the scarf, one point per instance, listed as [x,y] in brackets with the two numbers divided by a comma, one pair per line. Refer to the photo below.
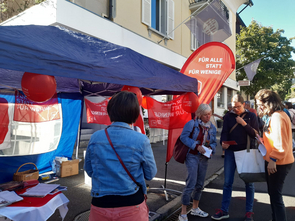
[205,127]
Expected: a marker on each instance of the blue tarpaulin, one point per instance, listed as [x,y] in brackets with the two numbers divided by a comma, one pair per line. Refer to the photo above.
[61,52]
[82,65]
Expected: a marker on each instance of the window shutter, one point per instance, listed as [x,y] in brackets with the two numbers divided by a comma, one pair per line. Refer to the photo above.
[146,12]
[170,19]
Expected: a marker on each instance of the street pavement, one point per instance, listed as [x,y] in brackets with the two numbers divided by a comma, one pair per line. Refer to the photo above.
[166,206]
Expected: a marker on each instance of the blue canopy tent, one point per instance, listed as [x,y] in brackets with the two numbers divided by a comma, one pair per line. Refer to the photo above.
[82,65]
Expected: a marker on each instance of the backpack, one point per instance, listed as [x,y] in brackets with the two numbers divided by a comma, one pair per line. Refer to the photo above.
[292,113]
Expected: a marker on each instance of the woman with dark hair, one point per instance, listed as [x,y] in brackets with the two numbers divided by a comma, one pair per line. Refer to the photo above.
[117,195]
[277,138]
[203,134]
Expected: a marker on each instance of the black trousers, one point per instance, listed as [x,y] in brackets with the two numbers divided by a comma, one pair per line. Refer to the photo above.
[275,183]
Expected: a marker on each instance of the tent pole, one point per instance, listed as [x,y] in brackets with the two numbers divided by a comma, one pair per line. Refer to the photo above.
[78,139]
[79,130]
[166,165]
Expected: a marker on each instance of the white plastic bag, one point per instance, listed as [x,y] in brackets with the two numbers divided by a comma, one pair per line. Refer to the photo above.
[250,165]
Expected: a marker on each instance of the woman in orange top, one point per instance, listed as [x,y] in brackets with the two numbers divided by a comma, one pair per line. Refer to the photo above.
[277,137]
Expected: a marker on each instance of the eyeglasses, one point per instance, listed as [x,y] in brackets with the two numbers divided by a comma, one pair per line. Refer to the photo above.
[237,107]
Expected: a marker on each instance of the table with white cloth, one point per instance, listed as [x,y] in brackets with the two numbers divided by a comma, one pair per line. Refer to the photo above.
[35,208]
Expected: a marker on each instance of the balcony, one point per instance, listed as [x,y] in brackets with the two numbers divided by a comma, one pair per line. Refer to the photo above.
[199,5]
[195,5]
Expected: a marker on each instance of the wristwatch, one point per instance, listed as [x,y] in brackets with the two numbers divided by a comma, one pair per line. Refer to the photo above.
[273,159]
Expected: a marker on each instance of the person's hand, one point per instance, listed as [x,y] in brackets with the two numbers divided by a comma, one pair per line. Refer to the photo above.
[224,146]
[240,121]
[271,167]
[201,149]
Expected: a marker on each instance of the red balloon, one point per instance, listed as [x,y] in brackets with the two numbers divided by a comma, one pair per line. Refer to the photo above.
[147,102]
[135,90]
[38,87]
[190,102]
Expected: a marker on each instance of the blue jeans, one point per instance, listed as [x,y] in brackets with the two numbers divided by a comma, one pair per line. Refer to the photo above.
[196,168]
[229,174]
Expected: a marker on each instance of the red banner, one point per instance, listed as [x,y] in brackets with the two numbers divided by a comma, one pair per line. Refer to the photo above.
[211,64]
[4,119]
[28,111]
[167,115]
[97,112]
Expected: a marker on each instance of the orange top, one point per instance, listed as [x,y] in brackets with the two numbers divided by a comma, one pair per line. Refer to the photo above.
[278,140]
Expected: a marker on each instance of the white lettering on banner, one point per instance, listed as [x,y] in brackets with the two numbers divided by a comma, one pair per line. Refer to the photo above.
[213,65]
[204,59]
[193,71]
[99,113]
[34,108]
[181,112]
[163,115]
[174,108]
[210,71]
[209,66]
[156,122]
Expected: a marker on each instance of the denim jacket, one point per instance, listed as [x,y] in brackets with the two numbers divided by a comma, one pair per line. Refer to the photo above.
[103,166]
[192,142]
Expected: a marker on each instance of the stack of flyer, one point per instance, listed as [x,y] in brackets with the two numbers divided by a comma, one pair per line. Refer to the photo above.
[40,190]
[9,197]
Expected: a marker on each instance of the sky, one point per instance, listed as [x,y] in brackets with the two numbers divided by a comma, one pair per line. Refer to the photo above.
[278,14]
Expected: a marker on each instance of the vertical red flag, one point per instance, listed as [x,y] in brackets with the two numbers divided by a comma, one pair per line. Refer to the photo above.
[4,119]
[211,64]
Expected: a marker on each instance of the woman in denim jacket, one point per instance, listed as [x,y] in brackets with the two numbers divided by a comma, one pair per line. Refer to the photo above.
[204,133]
[114,194]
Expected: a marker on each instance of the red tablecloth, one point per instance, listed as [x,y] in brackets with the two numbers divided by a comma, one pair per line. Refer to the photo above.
[32,201]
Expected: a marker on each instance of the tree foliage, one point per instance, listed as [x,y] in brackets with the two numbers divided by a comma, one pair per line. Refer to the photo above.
[9,8]
[275,69]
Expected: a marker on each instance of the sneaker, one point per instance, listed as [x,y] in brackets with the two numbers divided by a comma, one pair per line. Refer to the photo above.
[249,216]
[182,218]
[219,215]
[199,212]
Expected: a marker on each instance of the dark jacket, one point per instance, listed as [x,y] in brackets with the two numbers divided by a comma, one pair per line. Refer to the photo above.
[239,134]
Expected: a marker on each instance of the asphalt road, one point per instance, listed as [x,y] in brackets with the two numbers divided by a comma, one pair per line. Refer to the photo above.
[212,197]
[79,193]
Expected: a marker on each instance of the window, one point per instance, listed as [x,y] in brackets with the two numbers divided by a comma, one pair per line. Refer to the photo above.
[159,16]
[220,99]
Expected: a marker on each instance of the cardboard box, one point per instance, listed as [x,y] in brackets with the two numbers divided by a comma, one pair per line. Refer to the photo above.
[67,168]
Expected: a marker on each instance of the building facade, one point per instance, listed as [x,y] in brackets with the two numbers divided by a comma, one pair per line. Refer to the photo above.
[154,28]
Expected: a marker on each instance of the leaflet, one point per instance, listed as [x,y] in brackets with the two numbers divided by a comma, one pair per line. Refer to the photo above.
[262,149]
[9,197]
[208,151]
[41,190]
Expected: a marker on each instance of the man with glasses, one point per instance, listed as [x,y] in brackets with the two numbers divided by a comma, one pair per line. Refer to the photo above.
[237,125]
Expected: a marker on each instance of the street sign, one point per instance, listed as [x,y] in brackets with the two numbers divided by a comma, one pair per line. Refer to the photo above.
[244,83]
